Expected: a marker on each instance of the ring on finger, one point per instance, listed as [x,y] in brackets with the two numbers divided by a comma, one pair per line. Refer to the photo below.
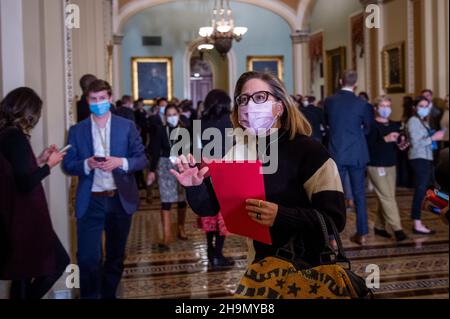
[258,216]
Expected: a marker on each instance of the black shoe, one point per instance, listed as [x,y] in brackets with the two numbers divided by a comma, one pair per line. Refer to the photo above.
[400,235]
[163,248]
[418,232]
[211,255]
[218,262]
[382,233]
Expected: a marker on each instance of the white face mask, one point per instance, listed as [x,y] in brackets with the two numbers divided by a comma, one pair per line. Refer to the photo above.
[173,120]
[255,117]
[305,103]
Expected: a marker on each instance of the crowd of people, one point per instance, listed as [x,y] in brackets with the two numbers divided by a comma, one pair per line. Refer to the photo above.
[120,147]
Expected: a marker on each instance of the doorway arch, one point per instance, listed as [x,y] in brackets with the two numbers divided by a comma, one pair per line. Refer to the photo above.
[232,68]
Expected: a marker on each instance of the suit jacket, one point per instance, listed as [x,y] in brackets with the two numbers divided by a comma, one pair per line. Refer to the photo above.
[125,142]
[83,110]
[349,119]
[314,115]
[125,112]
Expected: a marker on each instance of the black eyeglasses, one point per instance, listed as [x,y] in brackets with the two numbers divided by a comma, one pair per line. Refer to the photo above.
[258,97]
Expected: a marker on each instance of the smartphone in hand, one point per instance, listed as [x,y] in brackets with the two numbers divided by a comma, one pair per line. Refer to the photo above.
[65,148]
[100,159]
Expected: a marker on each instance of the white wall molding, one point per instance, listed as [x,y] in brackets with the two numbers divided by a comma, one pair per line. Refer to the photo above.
[428,45]
[68,71]
[410,55]
[442,45]
[304,13]
[13,58]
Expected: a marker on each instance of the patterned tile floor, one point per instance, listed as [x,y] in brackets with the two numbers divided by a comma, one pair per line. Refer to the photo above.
[417,268]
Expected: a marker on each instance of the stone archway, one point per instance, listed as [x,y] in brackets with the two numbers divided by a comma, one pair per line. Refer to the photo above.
[294,19]
[232,67]
[297,20]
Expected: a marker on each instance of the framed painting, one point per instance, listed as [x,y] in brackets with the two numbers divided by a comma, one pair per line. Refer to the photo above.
[271,64]
[152,78]
[336,65]
[393,60]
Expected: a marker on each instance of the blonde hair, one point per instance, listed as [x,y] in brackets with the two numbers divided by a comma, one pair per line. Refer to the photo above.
[381,99]
[292,119]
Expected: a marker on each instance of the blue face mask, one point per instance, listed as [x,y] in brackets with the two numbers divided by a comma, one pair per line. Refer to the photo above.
[423,112]
[385,112]
[162,110]
[100,108]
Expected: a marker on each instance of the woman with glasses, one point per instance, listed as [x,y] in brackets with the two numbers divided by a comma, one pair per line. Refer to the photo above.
[306,179]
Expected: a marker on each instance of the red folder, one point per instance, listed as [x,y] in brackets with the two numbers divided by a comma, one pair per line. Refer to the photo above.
[234,183]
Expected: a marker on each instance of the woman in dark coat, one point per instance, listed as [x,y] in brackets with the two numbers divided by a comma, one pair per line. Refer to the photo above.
[217,114]
[31,254]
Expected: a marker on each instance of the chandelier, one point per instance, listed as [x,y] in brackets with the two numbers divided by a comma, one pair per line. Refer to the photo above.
[222,32]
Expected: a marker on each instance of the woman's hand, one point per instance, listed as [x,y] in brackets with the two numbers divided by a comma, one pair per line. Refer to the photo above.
[392,137]
[262,212]
[151,177]
[438,136]
[189,175]
[55,158]
[43,158]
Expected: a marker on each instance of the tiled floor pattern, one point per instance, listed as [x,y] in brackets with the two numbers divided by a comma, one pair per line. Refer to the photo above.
[417,268]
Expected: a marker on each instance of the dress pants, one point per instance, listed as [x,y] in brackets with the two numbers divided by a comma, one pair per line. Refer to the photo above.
[358,186]
[423,171]
[384,182]
[100,278]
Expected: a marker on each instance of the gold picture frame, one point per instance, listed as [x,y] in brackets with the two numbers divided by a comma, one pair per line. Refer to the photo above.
[152,77]
[393,64]
[336,65]
[273,64]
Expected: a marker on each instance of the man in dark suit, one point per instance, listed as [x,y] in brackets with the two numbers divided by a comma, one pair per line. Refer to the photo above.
[349,120]
[157,119]
[125,109]
[315,117]
[436,113]
[83,111]
[106,152]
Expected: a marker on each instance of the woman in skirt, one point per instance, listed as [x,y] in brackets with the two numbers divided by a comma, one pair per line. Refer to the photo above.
[161,164]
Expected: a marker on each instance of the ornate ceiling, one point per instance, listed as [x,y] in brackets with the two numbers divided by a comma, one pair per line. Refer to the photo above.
[293,4]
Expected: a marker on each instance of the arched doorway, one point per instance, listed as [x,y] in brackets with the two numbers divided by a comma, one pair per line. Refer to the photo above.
[201,78]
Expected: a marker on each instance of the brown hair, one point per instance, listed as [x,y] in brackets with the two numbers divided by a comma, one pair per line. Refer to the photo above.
[21,108]
[349,78]
[291,120]
[85,81]
[416,106]
[98,86]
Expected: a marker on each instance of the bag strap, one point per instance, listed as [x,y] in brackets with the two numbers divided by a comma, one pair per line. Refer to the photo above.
[328,255]
[341,252]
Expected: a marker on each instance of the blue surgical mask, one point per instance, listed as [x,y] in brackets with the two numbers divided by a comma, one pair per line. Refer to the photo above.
[423,112]
[162,110]
[101,108]
[385,112]
[173,120]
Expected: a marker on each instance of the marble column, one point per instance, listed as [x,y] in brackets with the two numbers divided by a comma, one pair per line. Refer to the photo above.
[300,46]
